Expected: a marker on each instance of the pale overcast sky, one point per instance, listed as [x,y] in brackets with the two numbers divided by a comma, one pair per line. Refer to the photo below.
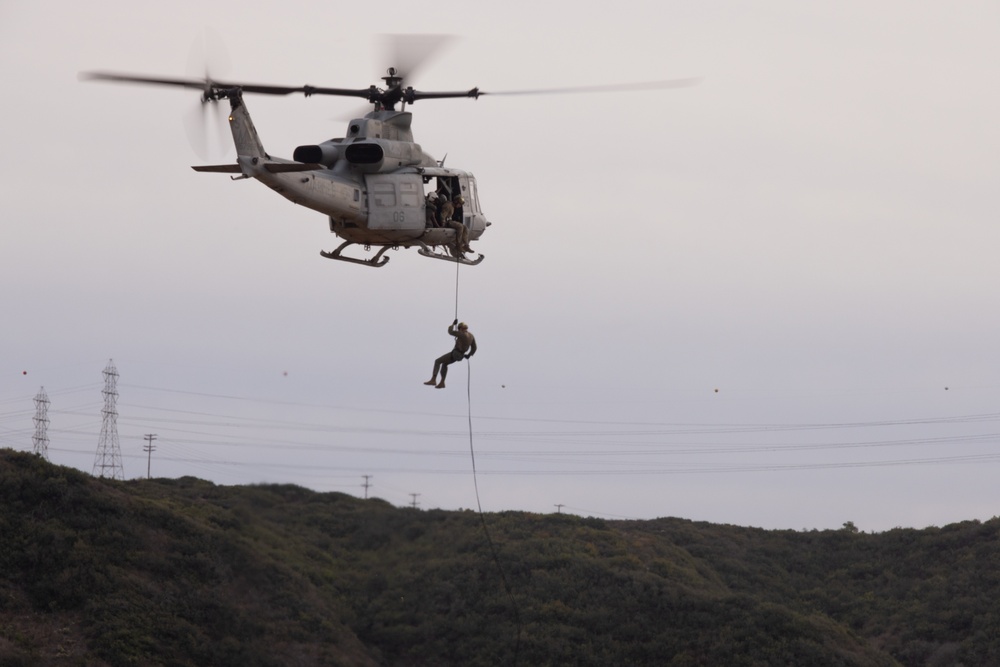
[767,300]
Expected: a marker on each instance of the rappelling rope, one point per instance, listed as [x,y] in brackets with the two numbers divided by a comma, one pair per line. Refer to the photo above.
[479,505]
[486,529]
[457,267]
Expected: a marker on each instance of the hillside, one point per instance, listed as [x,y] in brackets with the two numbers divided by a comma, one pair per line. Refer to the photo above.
[184,572]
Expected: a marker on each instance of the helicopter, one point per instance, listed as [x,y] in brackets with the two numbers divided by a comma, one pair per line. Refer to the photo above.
[377,186]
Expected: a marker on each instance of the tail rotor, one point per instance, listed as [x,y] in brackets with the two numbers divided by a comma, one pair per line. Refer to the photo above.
[205,125]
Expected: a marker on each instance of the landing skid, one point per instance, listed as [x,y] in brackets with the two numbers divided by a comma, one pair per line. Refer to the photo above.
[426,251]
[376,261]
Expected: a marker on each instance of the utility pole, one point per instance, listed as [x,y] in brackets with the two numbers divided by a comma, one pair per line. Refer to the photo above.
[413,503]
[149,449]
[366,484]
[559,507]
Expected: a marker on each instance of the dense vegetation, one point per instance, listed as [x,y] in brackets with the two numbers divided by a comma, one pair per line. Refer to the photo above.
[184,572]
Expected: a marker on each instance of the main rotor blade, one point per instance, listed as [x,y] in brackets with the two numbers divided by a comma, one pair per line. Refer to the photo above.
[208,57]
[408,53]
[372,94]
[157,81]
[410,96]
[612,88]
[197,84]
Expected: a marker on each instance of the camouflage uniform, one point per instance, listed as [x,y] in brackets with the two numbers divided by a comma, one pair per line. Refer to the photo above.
[461,231]
[447,210]
[465,345]
[432,210]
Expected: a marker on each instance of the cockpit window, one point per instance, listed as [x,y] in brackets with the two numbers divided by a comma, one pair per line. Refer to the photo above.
[473,195]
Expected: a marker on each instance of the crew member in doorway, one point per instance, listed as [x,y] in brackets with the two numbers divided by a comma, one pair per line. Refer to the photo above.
[465,347]
[449,207]
[462,230]
[431,205]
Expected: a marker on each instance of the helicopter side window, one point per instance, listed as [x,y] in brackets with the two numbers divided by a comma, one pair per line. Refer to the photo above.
[472,196]
[410,193]
[385,195]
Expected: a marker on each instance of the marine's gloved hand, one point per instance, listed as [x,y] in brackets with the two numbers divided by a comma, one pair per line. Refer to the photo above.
[455,322]
[468,356]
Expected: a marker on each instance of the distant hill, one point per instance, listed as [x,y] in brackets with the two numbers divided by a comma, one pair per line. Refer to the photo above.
[184,572]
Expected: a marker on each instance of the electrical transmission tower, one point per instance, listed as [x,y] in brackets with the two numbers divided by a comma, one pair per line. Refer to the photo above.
[108,462]
[41,437]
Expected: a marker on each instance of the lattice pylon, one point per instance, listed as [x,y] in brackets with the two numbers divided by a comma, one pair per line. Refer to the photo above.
[41,438]
[108,462]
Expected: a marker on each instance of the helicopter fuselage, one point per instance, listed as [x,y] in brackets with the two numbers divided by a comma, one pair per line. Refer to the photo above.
[373,184]
[383,208]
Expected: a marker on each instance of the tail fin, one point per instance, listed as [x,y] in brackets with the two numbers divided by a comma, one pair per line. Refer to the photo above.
[244,133]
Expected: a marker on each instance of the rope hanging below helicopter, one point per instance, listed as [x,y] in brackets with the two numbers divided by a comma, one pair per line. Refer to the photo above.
[475,484]
[479,507]
[457,267]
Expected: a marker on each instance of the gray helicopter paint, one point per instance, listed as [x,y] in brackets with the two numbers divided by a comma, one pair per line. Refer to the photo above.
[396,201]
[389,208]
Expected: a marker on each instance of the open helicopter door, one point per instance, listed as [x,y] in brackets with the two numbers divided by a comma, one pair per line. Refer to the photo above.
[395,202]
[451,182]
[472,215]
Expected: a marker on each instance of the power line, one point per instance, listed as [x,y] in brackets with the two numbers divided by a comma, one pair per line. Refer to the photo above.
[695,425]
